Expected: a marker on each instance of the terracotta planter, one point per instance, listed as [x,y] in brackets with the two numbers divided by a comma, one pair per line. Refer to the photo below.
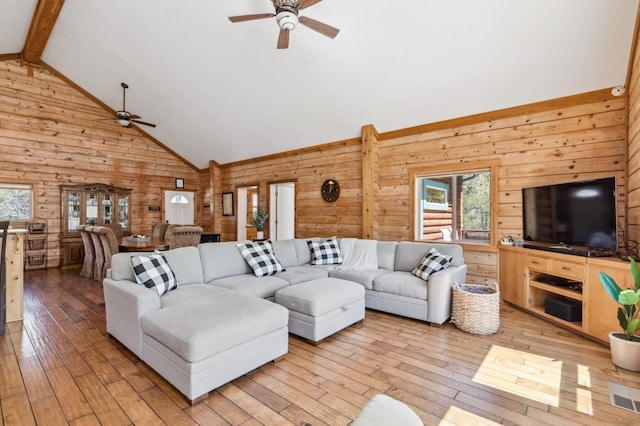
[625,353]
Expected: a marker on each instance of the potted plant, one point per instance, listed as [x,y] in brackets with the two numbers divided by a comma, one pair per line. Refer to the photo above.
[625,347]
[258,220]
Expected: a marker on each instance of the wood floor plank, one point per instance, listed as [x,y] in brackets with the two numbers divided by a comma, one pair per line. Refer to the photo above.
[17,410]
[48,411]
[60,366]
[101,401]
[71,399]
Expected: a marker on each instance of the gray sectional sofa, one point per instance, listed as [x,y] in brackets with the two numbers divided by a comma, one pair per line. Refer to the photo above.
[221,322]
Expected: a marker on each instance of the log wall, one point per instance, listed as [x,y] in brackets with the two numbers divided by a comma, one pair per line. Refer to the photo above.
[633,203]
[569,139]
[50,134]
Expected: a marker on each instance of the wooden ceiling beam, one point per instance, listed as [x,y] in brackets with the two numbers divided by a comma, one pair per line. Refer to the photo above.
[44,19]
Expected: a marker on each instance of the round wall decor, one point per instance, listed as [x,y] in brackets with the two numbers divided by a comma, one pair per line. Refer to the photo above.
[330,190]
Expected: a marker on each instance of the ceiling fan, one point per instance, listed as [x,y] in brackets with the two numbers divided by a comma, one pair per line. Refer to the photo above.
[287,18]
[124,117]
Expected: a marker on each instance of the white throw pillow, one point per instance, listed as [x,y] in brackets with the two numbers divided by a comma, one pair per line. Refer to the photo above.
[433,261]
[154,272]
[325,252]
[260,257]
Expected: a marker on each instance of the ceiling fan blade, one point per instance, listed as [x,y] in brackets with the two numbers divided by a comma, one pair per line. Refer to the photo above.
[303,4]
[283,39]
[143,122]
[243,18]
[324,29]
[134,116]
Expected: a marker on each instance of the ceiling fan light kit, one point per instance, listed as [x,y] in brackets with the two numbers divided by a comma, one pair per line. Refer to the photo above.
[287,19]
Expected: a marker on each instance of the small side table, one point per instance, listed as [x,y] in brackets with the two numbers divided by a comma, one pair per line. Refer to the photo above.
[476,308]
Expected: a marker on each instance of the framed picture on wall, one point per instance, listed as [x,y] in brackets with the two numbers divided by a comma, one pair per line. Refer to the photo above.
[227,203]
[179,183]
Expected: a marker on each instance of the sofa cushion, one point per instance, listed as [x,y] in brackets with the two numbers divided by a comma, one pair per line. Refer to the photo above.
[433,261]
[259,255]
[185,264]
[263,287]
[401,283]
[300,274]
[325,252]
[386,254]
[363,276]
[285,251]
[302,250]
[153,272]
[409,254]
[221,260]
[211,320]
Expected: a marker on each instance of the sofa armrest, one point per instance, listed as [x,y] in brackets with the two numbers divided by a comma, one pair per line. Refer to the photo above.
[126,303]
[439,292]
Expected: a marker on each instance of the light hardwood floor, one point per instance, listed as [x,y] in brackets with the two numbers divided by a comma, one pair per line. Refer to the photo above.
[59,366]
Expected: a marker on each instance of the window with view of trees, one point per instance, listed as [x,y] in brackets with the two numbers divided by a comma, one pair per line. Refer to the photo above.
[16,201]
[454,205]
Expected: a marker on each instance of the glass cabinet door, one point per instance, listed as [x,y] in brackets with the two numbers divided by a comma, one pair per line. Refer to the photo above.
[92,208]
[107,208]
[123,211]
[73,211]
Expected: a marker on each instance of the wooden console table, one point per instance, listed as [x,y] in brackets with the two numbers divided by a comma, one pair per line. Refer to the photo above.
[528,277]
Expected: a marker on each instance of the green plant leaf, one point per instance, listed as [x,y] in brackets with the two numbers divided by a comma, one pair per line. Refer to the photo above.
[610,286]
[632,327]
[628,297]
[635,272]
[622,319]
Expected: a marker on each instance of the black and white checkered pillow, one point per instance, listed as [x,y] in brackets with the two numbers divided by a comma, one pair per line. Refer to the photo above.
[433,261]
[154,272]
[260,257]
[325,252]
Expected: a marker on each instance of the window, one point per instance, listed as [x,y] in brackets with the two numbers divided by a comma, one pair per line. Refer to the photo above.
[455,203]
[16,201]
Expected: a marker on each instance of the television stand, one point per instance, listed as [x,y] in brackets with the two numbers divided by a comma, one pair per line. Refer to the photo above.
[533,278]
[573,250]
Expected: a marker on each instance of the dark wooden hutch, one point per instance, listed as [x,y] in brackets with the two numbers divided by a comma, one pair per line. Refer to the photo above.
[92,204]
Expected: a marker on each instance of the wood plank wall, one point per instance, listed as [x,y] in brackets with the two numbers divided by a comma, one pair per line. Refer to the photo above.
[308,168]
[633,203]
[542,145]
[49,134]
[574,138]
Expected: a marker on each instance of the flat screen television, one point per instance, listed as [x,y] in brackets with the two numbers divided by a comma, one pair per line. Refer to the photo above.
[572,214]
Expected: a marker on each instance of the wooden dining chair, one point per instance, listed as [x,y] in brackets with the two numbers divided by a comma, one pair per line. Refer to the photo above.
[109,243]
[98,262]
[185,236]
[4,227]
[89,253]
[159,230]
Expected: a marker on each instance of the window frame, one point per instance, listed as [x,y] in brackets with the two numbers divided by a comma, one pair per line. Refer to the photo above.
[492,166]
[4,183]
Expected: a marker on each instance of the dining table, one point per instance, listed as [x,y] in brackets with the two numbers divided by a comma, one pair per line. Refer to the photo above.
[134,243]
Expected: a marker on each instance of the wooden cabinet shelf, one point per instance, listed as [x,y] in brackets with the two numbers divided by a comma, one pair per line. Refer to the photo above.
[528,278]
[552,289]
[94,204]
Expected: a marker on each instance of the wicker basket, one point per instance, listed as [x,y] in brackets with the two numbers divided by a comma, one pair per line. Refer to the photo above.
[36,243]
[476,308]
[36,259]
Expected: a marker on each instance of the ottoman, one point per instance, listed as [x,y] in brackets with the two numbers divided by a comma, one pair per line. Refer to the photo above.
[321,307]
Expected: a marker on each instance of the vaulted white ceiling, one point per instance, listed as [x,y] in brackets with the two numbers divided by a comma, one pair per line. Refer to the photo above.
[222,91]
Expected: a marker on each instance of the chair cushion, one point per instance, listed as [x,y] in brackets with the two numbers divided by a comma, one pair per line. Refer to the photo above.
[325,252]
[260,257]
[433,261]
[153,272]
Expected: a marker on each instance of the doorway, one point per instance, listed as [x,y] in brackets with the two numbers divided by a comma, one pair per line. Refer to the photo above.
[282,210]
[247,203]
[179,207]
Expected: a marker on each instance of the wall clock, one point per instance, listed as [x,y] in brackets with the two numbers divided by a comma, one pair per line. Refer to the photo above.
[330,190]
